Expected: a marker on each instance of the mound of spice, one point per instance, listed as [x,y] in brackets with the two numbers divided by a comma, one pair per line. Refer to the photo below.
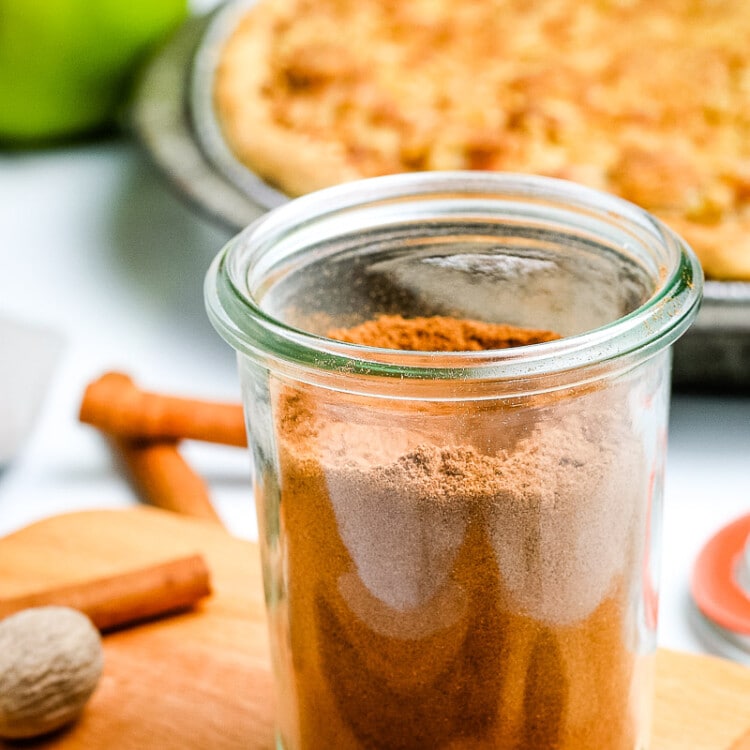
[450,588]
[439,334]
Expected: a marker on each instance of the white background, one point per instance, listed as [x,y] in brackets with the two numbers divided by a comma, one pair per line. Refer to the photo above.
[95,245]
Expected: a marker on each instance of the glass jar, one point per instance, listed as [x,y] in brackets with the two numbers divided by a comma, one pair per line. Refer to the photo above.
[460,549]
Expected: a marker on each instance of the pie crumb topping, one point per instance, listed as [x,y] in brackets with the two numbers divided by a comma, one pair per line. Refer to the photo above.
[647,99]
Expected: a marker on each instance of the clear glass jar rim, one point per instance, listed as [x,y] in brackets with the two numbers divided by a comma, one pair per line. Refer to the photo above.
[646,330]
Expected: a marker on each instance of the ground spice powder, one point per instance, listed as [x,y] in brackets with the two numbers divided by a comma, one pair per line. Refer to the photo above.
[439,334]
[448,592]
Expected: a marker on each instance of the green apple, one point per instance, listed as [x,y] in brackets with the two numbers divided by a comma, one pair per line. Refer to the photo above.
[65,64]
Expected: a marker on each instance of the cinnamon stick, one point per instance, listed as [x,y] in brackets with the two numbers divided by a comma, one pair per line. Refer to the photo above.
[114,404]
[128,598]
[164,479]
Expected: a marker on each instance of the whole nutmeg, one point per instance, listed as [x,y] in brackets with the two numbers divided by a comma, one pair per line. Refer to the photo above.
[50,662]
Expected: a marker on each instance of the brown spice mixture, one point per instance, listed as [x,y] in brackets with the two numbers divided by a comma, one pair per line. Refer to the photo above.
[439,334]
[447,593]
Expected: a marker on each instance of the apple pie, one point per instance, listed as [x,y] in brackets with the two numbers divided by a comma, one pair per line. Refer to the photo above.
[647,99]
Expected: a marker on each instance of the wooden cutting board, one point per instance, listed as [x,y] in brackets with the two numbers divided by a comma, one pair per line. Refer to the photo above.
[201,680]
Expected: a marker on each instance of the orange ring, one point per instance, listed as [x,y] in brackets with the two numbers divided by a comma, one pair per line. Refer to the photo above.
[714,587]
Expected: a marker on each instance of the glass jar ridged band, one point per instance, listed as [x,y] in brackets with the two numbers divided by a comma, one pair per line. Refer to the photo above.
[544,207]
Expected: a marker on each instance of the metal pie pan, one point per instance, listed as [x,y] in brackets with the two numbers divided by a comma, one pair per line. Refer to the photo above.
[172,115]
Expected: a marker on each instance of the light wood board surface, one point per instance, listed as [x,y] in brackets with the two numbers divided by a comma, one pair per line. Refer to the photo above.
[201,680]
